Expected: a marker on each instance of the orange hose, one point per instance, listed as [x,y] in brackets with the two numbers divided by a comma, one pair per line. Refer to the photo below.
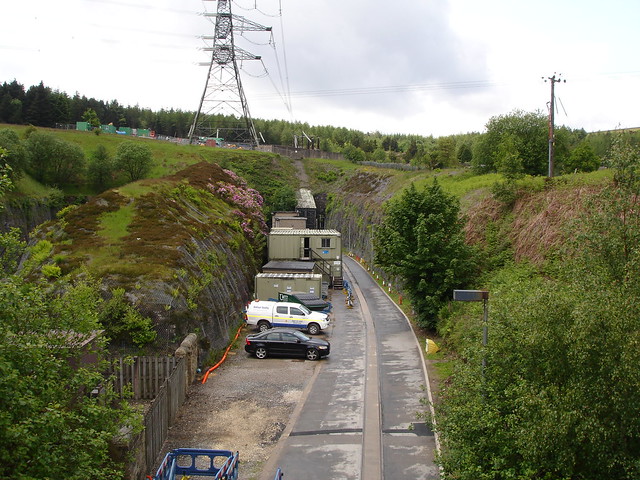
[206,375]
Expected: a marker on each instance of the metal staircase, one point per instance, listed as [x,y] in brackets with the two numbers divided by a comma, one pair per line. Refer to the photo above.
[336,282]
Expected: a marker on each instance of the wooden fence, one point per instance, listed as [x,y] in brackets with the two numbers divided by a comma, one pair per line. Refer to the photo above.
[162,384]
[144,375]
[163,411]
[164,381]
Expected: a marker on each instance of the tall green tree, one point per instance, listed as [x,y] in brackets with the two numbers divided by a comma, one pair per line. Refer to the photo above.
[528,131]
[134,159]
[101,168]
[54,161]
[38,106]
[421,240]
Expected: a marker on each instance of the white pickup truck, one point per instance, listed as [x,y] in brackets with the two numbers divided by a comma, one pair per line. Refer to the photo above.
[266,314]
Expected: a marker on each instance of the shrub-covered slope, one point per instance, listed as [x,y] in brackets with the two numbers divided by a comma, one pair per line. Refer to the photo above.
[184,248]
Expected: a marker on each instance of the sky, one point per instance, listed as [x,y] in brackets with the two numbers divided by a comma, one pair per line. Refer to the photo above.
[424,67]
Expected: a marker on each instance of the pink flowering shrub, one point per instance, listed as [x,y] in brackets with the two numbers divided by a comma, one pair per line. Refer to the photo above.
[248,201]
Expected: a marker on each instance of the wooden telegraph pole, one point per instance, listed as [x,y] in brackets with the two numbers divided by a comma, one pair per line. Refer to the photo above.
[553,80]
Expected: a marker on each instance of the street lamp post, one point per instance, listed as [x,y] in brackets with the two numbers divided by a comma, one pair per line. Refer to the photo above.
[477,296]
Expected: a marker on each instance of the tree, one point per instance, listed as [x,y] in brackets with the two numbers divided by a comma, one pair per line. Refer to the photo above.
[134,159]
[61,107]
[91,117]
[15,154]
[379,155]
[581,159]
[464,154]
[529,134]
[421,240]
[100,169]
[50,427]
[11,100]
[54,161]
[411,150]
[123,323]
[5,176]
[38,106]
[508,161]
[11,248]
[353,153]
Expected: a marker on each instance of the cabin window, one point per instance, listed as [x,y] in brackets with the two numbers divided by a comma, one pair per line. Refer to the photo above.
[326,243]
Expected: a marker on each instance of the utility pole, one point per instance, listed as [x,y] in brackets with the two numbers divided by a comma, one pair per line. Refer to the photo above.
[553,79]
[223,93]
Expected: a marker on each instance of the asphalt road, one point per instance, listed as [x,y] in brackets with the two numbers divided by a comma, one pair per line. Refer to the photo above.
[357,415]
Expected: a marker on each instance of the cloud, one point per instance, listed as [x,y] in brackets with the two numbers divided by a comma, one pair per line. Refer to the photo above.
[374,57]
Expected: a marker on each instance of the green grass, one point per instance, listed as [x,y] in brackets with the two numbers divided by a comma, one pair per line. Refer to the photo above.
[32,188]
[444,368]
[113,225]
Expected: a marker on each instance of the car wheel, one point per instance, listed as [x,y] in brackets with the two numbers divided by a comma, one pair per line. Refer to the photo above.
[261,352]
[312,354]
[313,328]
[263,325]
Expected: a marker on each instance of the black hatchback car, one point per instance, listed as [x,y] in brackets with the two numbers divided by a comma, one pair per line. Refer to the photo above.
[286,342]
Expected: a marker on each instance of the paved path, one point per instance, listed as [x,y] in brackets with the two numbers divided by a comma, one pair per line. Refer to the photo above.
[357,416]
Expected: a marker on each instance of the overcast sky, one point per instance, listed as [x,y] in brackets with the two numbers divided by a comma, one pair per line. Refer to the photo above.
[428,67]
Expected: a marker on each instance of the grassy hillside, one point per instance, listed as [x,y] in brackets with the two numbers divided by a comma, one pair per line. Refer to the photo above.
[531,225]
[169,158]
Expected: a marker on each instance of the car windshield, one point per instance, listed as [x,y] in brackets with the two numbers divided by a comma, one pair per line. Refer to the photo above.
[304,309]
[301,336]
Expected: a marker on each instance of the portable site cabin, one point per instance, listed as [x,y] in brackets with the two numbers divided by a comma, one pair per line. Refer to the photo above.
[322,247]
[270,285]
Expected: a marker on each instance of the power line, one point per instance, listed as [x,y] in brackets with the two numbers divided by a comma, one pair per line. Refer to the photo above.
[479,84]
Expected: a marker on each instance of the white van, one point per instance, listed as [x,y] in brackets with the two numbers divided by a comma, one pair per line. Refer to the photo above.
[267,314]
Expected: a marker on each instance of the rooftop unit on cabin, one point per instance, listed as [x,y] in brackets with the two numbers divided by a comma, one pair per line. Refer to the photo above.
[288,220]
[306,207]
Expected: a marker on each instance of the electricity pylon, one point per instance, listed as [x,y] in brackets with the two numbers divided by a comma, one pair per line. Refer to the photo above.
[223,95]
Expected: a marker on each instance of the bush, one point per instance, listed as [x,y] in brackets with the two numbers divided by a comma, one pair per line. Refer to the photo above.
[134,159]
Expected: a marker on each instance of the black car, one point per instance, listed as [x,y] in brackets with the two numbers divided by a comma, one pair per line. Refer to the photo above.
[286,342]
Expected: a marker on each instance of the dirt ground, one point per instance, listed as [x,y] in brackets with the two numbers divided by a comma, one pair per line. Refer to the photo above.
[244,406]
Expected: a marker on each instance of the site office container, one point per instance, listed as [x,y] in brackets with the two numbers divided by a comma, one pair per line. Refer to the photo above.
[268,285]
[321,246]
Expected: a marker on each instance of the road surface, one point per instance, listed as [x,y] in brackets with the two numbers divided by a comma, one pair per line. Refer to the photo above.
[357,418]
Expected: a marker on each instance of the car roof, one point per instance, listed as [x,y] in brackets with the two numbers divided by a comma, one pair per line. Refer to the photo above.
[278,329]
[283,329]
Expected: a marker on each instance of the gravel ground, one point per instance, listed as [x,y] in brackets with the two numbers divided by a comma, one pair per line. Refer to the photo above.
[244,406]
